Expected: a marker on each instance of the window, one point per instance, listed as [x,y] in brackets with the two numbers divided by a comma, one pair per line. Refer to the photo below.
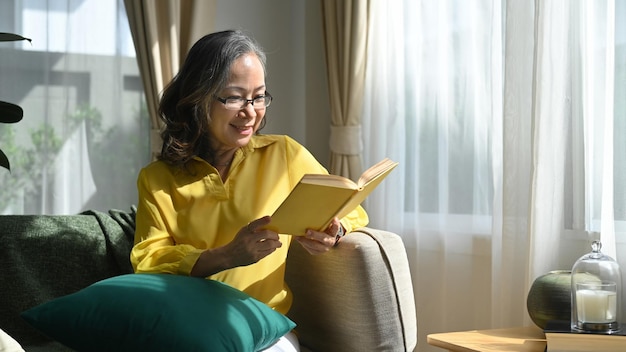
[85,131]
[620,116]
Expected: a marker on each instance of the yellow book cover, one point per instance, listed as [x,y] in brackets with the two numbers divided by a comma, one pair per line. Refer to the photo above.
[318,198]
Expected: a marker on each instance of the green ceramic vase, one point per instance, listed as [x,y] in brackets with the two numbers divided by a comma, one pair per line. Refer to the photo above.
[550,297]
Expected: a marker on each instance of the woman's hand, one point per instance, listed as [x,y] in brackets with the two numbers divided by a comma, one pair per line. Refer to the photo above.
[251,244]
[316,242]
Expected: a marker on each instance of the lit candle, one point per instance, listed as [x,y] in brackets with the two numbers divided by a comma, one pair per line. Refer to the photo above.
[596,303]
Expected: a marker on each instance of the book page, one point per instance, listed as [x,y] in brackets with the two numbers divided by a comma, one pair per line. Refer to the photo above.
[329,180]
[365,191]
[375,171]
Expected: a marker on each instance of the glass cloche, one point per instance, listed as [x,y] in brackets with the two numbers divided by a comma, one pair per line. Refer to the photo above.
[596,292]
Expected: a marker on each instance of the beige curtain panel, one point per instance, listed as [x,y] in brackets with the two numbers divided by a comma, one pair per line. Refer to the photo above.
[345,37]
[163,31]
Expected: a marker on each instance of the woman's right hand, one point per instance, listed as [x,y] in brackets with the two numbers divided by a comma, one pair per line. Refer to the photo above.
[251,244]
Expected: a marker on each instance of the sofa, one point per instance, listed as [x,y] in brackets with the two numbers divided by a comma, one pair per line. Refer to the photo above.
[357,297]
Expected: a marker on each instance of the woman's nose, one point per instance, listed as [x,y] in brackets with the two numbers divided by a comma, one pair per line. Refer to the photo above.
[249,110]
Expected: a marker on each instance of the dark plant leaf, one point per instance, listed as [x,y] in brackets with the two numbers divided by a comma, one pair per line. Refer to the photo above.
[10,113]
[10,37]
[4,161]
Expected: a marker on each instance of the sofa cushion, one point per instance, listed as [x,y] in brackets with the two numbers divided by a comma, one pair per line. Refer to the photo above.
[159,312]
[47,256]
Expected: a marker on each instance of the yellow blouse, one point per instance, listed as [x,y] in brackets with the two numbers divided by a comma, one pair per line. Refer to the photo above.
[180,213]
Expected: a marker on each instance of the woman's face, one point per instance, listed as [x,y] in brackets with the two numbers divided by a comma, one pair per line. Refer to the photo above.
[232,129]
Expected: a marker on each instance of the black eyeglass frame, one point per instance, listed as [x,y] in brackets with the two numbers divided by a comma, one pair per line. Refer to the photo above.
[245,101]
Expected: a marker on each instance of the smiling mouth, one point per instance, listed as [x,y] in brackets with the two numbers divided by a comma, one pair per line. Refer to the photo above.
[242,128]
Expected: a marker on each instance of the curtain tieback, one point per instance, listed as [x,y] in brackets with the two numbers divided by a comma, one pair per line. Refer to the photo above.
[346,140]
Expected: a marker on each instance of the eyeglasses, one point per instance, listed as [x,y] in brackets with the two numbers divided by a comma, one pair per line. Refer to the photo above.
[239,103]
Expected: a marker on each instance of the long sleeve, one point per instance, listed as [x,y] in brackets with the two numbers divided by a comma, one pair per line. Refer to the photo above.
[183,212]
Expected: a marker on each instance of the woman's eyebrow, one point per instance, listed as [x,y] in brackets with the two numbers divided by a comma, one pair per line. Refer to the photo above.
[242,89]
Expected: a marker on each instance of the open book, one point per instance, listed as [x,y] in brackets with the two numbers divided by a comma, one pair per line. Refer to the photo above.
[318,198]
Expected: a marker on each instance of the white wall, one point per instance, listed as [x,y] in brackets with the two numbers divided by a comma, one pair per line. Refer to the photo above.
[291,33]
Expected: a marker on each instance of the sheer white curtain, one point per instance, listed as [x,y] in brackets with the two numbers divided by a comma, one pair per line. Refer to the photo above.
[491,107]
[85,129]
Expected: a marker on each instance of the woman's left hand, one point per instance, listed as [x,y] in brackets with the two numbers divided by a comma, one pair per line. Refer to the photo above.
[316,242]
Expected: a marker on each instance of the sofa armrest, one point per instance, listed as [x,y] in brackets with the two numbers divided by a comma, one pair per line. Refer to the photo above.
[357,297]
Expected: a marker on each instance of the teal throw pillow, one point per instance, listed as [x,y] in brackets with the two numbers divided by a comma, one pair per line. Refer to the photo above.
[159,312]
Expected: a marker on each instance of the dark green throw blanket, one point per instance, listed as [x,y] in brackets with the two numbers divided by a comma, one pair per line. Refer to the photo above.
[43,257]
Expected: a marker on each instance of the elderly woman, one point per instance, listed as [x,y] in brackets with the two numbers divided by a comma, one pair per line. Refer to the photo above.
[204,203]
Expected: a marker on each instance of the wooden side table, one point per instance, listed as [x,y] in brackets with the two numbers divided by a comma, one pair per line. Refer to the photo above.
[528,339]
